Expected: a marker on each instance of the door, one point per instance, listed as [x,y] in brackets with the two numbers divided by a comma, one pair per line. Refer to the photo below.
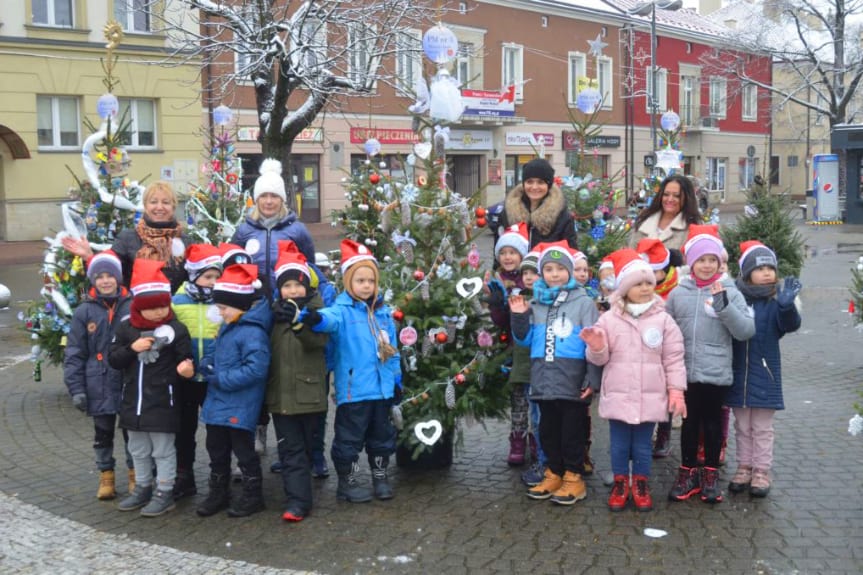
[307,186]
[465,176]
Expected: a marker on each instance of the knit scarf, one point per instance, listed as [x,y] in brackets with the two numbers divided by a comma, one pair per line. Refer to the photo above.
[752,292]
[382,339]
[546,295]
[700,283]
[637,309]
[156,240]
[139,321]
[668,284]
[198,293]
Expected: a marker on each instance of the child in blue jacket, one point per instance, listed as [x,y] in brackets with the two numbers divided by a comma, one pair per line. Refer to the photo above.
[756,393]
[236,382]
[367,371]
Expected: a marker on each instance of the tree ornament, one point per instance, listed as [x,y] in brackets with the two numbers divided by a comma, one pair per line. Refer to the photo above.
[419,275]
[504,337]
[425,291]
[449,395]
[408,335]
[480,222]
[372,147]
[374,178]
[398,315]
[460,378]
[473,258]
[484,339]
[396,417]
[479,212]
[428,432]
[426,346]
[441,337]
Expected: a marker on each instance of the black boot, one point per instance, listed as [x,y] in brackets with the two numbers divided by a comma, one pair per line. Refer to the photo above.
[349,488]
[219,496]
[251,500]
[185,485]
[383,489]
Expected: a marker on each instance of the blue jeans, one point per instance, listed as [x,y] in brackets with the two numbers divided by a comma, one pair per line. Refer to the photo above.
[631,442]
[534,426]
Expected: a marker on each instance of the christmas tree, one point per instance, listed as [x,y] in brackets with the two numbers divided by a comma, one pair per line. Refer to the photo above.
[766,218]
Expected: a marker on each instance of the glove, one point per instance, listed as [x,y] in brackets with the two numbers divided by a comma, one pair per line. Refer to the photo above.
[676,403]
[148,356]
[286,311]
[79,400]
[720,301]
[497,295]
[790,288]
[310,317]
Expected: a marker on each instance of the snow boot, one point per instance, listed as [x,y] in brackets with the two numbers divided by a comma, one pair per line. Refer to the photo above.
[619,493]
[251,500]
[710,490]
[382,488]
[687,484]
[741,480]
[760,485]
[573,489]
[517,448]
[320,470]
[185,485]
[107,491]
[641,493]
[218,498]
[138,498]
[550,483]
[662,445]
[349,488]
[161,502]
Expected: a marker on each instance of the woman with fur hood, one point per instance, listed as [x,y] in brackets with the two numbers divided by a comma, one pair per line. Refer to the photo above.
[539,203]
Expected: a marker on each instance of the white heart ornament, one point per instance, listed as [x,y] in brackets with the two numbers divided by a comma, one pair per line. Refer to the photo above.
[422,150]
[421,430]
[468,287]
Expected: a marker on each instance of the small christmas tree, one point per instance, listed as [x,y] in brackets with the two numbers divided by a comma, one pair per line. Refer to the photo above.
[766,218]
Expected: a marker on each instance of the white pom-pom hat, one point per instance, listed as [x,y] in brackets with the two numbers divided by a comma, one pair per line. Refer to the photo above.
[270,181]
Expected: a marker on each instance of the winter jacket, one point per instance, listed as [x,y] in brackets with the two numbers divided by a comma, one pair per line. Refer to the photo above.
[551,221]
[708,333]
[673,237]
[126,246]
[200,319]
[642,361]
[85,366]
[297,381]
[242,359]
[757,362]
[264,250]
[149,400]
[564,373]
[360,374]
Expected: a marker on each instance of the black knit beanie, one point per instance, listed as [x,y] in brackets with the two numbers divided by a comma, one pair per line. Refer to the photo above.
[538,168]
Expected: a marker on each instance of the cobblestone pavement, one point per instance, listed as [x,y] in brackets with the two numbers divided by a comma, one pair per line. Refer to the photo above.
[472,517]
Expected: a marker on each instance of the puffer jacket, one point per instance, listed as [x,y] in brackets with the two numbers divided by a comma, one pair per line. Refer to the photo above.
[196,316]
[298,372]
[126,246]
[359,374]
[551,221]
[242,359]
[642,361]
[150,397]
[85,365]
[757,361]
[707,333]
[565,373]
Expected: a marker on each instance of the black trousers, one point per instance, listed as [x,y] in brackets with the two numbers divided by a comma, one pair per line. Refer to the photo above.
[296,435]
[190,400]
[362,424]
[703,409]
[104,427]
[562,428]
[222,440]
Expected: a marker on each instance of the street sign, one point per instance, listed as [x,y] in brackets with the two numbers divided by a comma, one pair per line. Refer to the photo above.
[649,160]
[750,151]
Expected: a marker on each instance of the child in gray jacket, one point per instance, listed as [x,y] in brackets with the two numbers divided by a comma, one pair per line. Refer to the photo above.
[711,313]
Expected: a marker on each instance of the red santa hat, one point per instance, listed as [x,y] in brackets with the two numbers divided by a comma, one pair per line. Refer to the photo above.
[200,258]
[630,269]
[655,253]
[237,285]
[354,252]
[753,255]
[515,237]
[292,265]
[703,240]
[233,254]
[606,264]
[149,286]
[105,262]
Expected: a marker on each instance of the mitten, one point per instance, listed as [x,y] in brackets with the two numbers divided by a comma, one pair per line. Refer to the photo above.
[310,317]
[497,295]
[790,288]
[676,403]
[79,400]
[285,311]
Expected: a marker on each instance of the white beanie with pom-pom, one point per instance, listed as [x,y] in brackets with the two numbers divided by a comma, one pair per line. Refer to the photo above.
[270,181]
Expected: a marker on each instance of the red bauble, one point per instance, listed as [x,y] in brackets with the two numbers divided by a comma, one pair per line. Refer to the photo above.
[479,212]
[460,378]
[440,337]
[398,315]
[419,275]
[504,337]
[480,222]
[374,178]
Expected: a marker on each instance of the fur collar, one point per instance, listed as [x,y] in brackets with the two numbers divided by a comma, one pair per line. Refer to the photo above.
[543,217]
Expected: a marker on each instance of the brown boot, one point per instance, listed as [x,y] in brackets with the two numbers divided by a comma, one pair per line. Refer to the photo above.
[131,480]
[106,486]
[572,490]
[549,484]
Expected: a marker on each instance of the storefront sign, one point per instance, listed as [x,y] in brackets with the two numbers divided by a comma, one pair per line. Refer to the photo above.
[469,140]
[384,135]
[570,141]
[307,136]
[488,103]
[529,139]
[495,172]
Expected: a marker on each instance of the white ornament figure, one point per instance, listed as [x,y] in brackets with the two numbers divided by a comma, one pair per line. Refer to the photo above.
[446,102]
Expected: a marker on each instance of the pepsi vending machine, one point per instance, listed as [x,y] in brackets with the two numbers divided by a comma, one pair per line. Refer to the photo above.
[825,187]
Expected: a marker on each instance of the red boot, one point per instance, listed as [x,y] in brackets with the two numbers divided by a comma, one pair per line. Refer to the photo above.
[641,493]
[619,493]
[517,448]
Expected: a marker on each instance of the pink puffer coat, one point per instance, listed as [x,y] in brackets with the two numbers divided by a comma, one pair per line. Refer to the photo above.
[643,360]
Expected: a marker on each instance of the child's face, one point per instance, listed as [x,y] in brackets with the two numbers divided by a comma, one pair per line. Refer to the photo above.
[155,313]
[581,272]
[659,275]
[529,277]
[706,267]
[105,284]
[208,278]
[604,286]
[723,266]
[363,283]
[763,275]
[555,274]
[641,292]
[509,259]
[228,313]
[292,289]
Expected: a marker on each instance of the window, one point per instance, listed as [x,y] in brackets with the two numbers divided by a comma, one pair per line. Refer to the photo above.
[408,61]
[774,170]
[243,61]
[661,94]
[462,7]
[142,122]
[53,12]
[577,69]
[133,15]
[750,102]
[716,175]
[308,44]
[57,121]
[513,69]
[363,64]
[688,106]
[717,97]
[543,21]
[793,161]
[746,168]
[462,63]
[605,80]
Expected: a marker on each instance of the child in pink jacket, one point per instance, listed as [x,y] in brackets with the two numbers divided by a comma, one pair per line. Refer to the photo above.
[644,377]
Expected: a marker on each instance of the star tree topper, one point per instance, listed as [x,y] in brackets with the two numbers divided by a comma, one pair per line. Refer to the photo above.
[596,46]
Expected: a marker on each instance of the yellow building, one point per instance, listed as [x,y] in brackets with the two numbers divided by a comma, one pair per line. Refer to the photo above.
[51,74]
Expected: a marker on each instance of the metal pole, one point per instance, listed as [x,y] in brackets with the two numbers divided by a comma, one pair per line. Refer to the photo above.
[653,80]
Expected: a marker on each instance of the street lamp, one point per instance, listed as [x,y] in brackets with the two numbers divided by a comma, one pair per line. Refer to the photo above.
[644,9]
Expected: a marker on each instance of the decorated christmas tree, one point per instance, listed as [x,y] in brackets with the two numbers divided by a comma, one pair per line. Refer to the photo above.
[766,218]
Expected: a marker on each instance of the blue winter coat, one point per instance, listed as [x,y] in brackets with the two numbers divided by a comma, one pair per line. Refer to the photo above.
[85,366]
[757,363]
[360,375]
[242,360]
